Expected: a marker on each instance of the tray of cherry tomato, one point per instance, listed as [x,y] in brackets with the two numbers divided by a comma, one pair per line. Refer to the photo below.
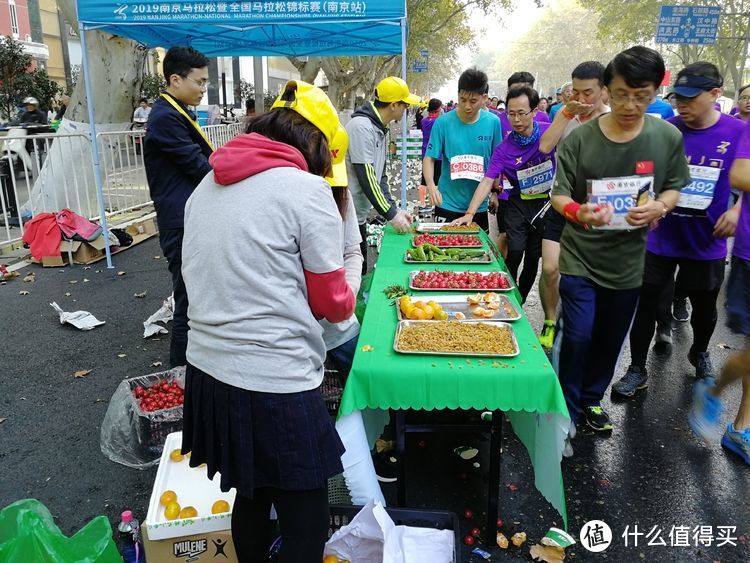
[440,280]
[448,241]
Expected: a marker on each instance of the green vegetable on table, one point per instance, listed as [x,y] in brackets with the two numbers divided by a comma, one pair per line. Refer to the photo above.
[430,253]
[395,291]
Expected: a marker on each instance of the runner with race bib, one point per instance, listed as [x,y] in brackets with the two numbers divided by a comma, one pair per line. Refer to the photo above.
[527,159]
[463,140]
[602,270]
[693,236]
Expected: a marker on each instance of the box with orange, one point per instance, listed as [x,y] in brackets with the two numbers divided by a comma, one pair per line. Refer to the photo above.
[188,514]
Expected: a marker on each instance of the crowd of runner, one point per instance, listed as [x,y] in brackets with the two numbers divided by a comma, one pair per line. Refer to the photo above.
[628,203]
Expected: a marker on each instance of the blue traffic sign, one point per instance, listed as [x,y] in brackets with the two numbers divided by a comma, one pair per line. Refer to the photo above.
[419,66]
[424,53]
[694,25]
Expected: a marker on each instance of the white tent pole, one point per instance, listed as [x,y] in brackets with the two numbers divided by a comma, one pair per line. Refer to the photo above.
[404,124]
[94,144]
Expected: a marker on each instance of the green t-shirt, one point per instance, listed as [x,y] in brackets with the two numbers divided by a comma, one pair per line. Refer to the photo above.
[614,259]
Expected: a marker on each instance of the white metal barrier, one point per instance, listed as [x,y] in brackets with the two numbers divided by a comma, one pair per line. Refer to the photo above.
[49,172]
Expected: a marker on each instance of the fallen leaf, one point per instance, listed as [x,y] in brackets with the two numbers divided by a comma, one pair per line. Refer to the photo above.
[384,445]
[605,482]
[501,540]
[67,294]
[724,345]
[73,281]
[82,373]
[157,257]
[367,348]
[3,419]
[121,273]
[140,295]
[121,355]
[30,277]
[156,364]
[23,293]
[548,553]
[86,280]
[512,487]
[518,539]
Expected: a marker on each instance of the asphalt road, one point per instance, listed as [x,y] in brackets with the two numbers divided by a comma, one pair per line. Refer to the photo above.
[648,473]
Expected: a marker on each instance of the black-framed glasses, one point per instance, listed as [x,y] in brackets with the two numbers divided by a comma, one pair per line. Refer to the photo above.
[743,99]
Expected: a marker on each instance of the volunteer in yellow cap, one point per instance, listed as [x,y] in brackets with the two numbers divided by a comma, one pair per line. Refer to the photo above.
[368,149]
[263,260]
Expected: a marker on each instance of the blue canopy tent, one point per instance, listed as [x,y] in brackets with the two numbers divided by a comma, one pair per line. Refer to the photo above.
[231,28]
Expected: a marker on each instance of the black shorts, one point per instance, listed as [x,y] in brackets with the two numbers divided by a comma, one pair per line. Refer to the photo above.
[693,275]
[738,296]
[522,222]
[554,223]
[502,210]
[445,216]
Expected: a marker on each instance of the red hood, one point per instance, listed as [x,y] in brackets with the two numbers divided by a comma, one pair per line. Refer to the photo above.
[250,154]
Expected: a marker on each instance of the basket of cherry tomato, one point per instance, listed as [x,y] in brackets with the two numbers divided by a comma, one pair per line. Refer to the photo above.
[157,402]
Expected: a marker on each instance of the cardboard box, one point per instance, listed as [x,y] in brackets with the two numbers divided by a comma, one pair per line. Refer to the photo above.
[207,537]
[76,252]
[211,547]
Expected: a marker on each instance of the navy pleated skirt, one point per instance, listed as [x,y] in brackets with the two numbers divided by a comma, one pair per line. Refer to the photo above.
[254,439]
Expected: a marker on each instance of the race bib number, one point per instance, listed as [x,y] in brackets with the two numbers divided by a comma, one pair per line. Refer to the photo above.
[467,167]
[537,179]
[621,193]
[699,193]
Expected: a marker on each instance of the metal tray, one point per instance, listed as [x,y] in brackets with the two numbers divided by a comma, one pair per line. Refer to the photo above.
[453,304]
[413,273]
[488,258]
[403,324]
[472,246]
[438,228]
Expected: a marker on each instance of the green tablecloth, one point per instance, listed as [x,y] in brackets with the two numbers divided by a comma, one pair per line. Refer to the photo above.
[525,387]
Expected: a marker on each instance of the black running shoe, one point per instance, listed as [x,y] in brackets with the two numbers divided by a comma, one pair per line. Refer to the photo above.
[597,419]
[680,310]
[634,379]
[386,467]
[704,369]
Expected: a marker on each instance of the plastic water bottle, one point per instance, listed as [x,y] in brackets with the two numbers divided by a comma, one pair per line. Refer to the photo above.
[130,538]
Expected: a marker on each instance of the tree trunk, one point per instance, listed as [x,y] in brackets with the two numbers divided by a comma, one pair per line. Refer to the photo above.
[115,92]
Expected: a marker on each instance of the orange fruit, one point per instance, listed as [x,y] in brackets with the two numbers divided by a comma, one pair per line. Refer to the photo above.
[175,455]
[419,314]
[220,506]
[188,512]
[412,314]
[420,304]
[330,559]
[172,511]
[428,312]
[168,497]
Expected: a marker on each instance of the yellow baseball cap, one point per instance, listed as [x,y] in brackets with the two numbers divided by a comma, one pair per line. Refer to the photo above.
[312,103]
[393,89]
[339,177]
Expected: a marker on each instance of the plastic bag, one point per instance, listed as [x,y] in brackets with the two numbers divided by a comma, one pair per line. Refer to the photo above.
[28,533]
[133,437]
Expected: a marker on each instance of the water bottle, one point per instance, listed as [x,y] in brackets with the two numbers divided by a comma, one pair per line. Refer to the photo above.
[130,538]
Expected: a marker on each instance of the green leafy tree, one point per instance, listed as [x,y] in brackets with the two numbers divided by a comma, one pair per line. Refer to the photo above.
[14,64]
[152,86]
[635,21]
[440,26]
[39,85]
[564,36]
